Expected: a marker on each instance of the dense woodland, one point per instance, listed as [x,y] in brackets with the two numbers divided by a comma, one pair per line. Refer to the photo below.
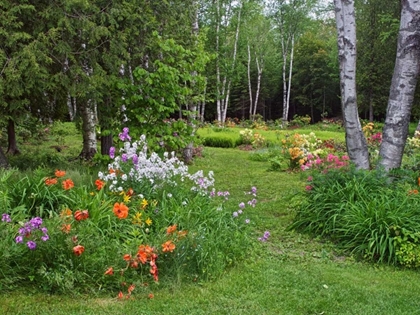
[104,63]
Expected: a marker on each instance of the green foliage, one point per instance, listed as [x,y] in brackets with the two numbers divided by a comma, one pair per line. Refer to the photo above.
[407,247]
[360,210]
[220,142]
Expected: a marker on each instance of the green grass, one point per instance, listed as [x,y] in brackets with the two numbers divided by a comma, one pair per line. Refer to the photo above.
[289,274]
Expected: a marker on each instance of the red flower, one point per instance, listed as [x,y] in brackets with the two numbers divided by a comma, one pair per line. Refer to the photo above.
[68,184]
[59,173]
[99,184]
[151,296]
[120,295]
[109,271]
[127,257]
[50,181]
[80,215]
[78,250]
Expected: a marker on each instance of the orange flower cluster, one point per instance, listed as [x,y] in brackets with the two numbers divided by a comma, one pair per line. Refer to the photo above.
[99,184]
[50,181]
[171,229]
[168,246]
[68,184]
[81,215]
[145,254]
[78,250]
[120,210]
[59,173]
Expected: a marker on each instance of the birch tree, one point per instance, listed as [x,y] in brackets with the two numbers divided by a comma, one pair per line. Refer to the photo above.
[225,64]
[290,17]
[403,86]
[346,30]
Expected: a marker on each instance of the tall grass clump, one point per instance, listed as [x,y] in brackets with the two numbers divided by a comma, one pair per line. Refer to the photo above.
[371,214]
[144,219]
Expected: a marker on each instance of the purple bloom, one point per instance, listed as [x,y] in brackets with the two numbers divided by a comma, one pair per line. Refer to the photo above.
[265,237]
[235,214]
[36,222]
[31,245]
[124,157]
[44,230]
[135,159]
[254,190]
[112,152]
[242,205]
[240,211]
[6,218]
[19,239]
[45,237]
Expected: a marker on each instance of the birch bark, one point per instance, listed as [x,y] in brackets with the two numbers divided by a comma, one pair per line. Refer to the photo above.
[346,39]
[403,84]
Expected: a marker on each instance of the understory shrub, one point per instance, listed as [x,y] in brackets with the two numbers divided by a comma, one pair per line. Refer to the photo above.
[372,214]
[143,219]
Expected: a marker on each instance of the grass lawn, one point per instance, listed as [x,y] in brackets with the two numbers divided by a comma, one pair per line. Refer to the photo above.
[289,274]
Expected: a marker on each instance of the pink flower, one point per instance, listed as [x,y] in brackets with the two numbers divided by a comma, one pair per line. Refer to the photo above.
[345,158]
[310,178]
[308,187]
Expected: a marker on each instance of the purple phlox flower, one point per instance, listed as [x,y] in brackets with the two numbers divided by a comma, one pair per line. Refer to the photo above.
[265,237]
[19,239]
[31,245]
[242,205]
[135,159]
[239,211]
[254,190]
[235,214]
[44,230]
[112,152]
[124,135]
[45,237]
[252,202]
[6,218]
[36,222]
[124,157]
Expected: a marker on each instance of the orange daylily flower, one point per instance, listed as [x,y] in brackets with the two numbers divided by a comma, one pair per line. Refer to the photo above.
[418,180]
[168,246]
[151,296]
[78,250]
[109,271]
[99,184]
[127,257]
[68,184]
[60,173]
[131,288]
[66,213]
[50,181]
[120,210]
[134,264]
[120,295]
[171,229]
[66,228]
[81,215]
[182,234]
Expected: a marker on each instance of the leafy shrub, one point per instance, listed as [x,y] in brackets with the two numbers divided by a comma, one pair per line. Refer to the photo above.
[360,211]
[220,142]
[145,218]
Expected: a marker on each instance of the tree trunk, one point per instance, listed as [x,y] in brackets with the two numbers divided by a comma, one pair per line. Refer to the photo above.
[106,143]
[11,137]
[88,131]
[346,29]
[403,86]
[3,160]
[251,106]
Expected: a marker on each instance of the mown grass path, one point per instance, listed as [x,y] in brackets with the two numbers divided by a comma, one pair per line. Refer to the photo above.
[289,274]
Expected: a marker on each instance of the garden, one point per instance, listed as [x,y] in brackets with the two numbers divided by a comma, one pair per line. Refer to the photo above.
[276,222]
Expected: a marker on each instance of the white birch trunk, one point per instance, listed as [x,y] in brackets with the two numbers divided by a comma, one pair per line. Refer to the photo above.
[218,95]
[403,84]
[257,93]
[285,109]
[251,107]
[289,82]
[346,29]
[89,131]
